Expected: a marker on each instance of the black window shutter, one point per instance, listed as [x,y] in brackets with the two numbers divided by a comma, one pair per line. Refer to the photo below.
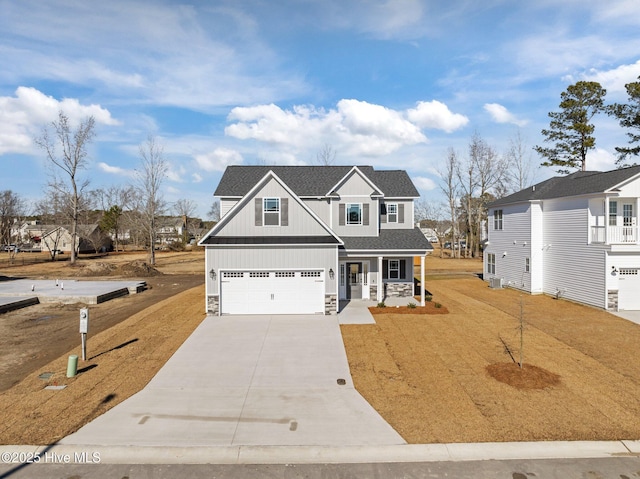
[385,269]
[400,213]
[284,212]
[403,268]
[258,204]
[365,214]
[341,214]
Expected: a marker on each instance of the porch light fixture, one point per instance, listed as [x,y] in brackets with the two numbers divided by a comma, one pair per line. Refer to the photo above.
[331,273]
[212,274]
[613,269]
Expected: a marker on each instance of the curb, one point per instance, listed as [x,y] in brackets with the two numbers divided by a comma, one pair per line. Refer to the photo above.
[76,454]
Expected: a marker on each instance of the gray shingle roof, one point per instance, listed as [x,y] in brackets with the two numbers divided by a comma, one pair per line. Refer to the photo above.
[389,239]
[313,180]
[579,183]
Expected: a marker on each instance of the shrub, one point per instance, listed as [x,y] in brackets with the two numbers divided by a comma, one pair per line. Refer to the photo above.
[437,305]
[411,305]
[382,305]
[428,297]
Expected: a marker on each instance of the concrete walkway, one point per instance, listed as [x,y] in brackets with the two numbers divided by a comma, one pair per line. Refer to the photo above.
[248,380]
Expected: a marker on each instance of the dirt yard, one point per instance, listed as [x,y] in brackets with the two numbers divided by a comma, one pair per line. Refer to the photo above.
[433,377]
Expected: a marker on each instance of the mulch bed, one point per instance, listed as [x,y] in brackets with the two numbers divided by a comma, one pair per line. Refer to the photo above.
[527,377]
[428,308]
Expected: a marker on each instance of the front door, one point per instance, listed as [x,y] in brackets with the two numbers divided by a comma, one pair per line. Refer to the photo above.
[354,281]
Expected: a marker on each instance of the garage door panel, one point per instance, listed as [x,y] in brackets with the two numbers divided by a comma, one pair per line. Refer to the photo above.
[273,292]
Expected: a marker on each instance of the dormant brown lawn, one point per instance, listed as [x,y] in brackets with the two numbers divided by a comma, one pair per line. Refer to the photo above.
[427,374]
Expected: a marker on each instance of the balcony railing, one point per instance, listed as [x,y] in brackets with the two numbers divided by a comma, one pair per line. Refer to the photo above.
[614,234]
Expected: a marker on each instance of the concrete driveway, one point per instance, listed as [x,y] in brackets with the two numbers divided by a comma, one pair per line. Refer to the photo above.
[248,380]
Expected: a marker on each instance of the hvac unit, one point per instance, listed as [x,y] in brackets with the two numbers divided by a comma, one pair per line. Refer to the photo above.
[495,283]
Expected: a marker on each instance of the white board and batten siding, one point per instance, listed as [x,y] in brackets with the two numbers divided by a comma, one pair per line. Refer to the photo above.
[573,268]
[514,239]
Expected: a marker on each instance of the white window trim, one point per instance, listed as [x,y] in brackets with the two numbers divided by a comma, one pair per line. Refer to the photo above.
[389,205]
[491,263]
[346,214]
[396,269]
[498,220]
[265,212]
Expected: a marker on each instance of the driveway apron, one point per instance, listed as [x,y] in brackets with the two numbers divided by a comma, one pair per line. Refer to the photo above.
[248,380]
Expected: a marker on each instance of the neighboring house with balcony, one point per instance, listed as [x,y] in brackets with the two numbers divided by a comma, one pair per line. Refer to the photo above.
[574,237]
[301,239]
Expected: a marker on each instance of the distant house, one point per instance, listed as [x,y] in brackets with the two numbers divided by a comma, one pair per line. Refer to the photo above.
[90,239]
[574,237]
[301,239]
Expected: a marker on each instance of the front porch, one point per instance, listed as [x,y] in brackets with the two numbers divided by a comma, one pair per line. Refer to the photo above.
[378,278]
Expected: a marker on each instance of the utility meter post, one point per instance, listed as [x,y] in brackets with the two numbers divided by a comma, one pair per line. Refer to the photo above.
[84,329]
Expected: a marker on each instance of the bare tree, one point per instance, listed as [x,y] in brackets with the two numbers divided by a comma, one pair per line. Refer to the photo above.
[148,198]
[326,156]
[113,201]
[490,174]
[449,187]
[518,157]
[185,209]
[67,151]
[467,178]
[12,210]
[431,215]
[214,212]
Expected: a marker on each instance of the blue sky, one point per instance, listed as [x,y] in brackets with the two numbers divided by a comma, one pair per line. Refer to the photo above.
[391,84]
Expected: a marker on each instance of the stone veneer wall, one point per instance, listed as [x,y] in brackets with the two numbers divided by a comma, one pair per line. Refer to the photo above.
[373,292]
[213,304]
[330,304]
[398,290]
[612,300]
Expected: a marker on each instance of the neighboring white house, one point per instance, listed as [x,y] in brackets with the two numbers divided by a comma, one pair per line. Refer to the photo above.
[574,237]
[298,239]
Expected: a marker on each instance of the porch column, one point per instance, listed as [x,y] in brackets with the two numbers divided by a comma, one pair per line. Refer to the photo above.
[635,222]
[380,291]
[606,220]
[421,280]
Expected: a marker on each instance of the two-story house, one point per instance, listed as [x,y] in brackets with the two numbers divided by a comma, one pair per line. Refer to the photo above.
[299,239]
[574,237]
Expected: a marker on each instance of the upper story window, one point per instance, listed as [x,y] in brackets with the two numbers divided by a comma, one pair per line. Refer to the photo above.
[271,211]
[354,214]
[613,213]
[497,219]
[392,213]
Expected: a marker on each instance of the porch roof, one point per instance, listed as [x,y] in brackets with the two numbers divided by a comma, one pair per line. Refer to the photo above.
[389,240]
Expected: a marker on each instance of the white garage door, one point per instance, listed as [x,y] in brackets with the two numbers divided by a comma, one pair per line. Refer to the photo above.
[272,292]
[629,289]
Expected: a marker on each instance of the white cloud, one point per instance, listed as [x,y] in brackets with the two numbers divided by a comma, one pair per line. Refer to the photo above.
[116,170]
[196,178]
[22,117]
[218,159]
[423,183]
[130,50]
[501,115]
[614,80]
[353,127]
[434,114]
[601,160]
